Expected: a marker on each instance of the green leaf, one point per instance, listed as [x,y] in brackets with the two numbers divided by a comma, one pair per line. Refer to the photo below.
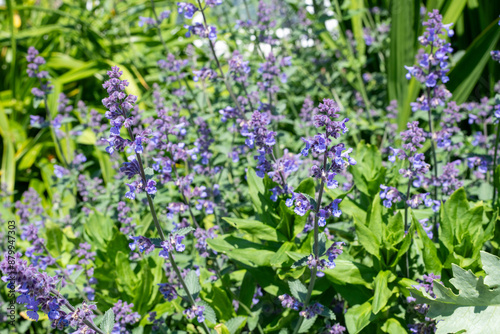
[256,228]
[298,290]
[221,303]
[357,12]
[382,292]
[452,10]
[184,230]
[108,321]
[221,329]
[300,262]
[368,239]
[8,172]
[321,244]
[209,312]
[30,157]
[149,173]
[247,252]
[351,273]
[247,290]
[125,274]
[476,307]
[74,276]
[307,324]
[395,231]
[100,229]
[358,317]
[405,245]
[429,250]
[235,325]
[393,326]
[466,73]
[281,255]
[456,206]
[261,201]
[56,240]
[405,19]
[307,186]
[368,173]
[193,283]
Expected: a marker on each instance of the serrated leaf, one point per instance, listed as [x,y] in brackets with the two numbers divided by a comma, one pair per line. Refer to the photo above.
[327,313]
[311,200]
[156,242]
[298,290]
[322,244]
[184,231]
[235,324]
[476,307]
[209,312]
[307,324]
[193,283]
[108,321]
[300,263]
[74,276]
[149,172]
[221,329]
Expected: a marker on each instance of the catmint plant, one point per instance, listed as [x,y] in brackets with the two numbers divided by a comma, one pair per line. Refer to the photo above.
[119,105]
[331,161]
[430,70]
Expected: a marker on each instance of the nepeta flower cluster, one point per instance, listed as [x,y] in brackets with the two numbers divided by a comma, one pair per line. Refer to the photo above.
[123,317]
[450,118]
[173,242]
[85,257]
[199,29]
[390,195]
[29,208]
[149,21]
[416,171]
[239,68]
[432,66]
[270,70]
[168,291]
[119,105]
[495,55]
[38,292]
[34,63]
[260,137]
[195,311]
[335,160]
[322,264]
[290,302]
[36,252]
[312,310]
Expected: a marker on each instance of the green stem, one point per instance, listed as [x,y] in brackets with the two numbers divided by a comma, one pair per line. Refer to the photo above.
[160,232]
[495,156]
[87,322]
[49,119]
[406,225]
[315,248]
[158,27]
[68,278]
[228,87]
